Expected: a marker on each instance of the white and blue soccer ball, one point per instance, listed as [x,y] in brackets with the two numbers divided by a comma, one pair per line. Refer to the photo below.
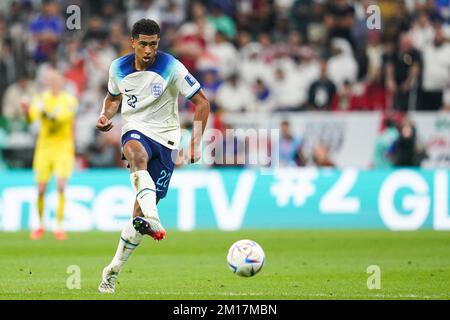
[246,258]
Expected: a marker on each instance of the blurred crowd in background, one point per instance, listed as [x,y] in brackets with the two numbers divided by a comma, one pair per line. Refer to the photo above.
[251,56]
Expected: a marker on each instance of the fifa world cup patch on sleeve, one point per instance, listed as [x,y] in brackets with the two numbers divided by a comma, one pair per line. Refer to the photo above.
[135,136]
[190,79]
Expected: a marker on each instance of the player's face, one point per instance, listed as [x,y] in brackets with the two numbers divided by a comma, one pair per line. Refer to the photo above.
[145,48]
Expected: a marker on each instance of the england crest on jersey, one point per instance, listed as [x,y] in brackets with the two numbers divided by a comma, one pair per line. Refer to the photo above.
[157,89]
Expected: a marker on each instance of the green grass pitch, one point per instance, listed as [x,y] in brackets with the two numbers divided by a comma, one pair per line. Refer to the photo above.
[300,265]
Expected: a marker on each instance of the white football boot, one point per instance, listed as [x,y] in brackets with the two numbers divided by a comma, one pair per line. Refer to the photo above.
[109,279]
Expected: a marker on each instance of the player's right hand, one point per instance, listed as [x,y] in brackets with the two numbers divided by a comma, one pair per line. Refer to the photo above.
[104,124]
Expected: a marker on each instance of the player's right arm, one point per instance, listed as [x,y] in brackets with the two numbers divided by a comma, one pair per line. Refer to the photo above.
[111,105]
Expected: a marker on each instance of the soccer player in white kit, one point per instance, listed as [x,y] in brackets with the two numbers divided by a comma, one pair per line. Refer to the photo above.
[146,85]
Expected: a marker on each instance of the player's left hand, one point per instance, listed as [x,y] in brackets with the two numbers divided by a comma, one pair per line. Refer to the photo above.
[189,156]
[193,155]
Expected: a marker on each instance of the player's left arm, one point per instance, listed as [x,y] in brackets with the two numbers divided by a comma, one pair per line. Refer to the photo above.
[189,87]
[202,109]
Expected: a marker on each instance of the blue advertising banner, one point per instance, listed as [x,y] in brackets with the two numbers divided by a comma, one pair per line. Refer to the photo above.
[231,199]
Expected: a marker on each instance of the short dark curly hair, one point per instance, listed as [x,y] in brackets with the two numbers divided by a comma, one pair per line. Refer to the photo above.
[145,26]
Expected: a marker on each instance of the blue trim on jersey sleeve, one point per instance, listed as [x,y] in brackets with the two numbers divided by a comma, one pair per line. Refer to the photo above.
[114,94]
[164,65]
[123,66]
[193,93]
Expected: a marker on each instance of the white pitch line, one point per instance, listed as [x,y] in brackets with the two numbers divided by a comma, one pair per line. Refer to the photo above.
[299,295]
[254,294]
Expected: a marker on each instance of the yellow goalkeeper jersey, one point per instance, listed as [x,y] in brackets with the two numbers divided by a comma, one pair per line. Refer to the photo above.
[56,114]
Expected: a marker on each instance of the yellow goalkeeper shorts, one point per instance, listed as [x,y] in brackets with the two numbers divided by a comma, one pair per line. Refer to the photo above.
[46,163]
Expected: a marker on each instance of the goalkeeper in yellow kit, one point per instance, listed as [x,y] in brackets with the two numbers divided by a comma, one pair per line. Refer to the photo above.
[55,149]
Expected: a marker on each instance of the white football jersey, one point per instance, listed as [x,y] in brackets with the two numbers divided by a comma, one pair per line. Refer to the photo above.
[150,97]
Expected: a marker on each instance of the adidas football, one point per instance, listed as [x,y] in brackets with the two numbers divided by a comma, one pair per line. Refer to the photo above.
[245,258]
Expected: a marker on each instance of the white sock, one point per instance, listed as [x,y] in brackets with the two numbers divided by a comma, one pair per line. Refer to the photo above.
[129,240]
[145,190]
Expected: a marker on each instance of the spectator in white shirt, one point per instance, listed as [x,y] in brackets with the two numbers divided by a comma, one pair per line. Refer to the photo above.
[342,66]
[436,72]
[234,95]
[149,9]
[422,32]
[286,91]
[226,54]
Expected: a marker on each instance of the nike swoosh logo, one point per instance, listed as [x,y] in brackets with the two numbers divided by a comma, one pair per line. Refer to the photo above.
[158,190]
[128,90]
